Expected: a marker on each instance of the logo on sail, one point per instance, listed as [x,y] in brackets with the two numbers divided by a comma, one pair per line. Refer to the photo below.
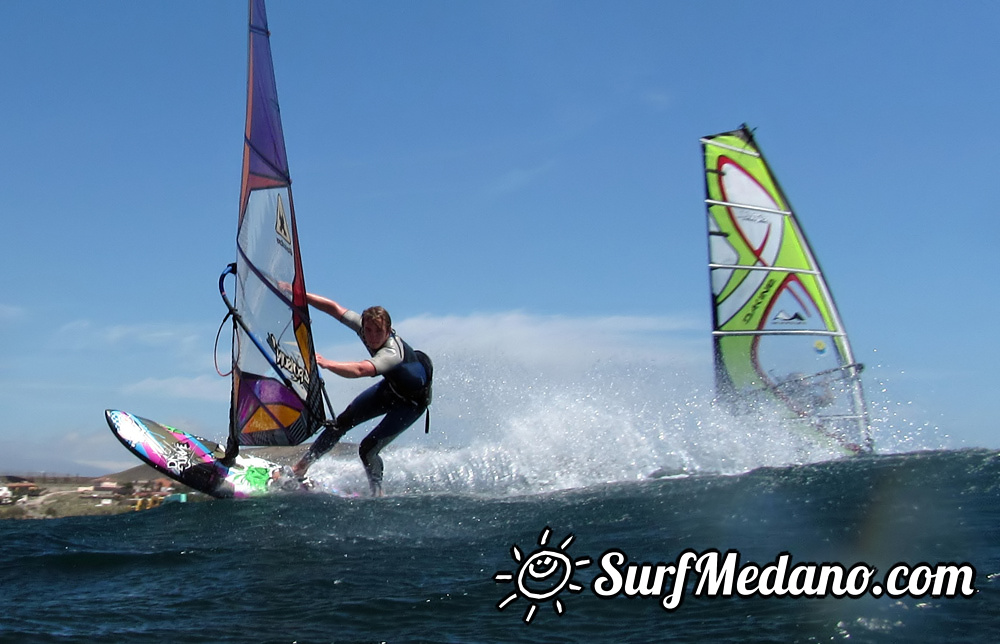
[286,362]
[784,317]
[763,296]
[281,226]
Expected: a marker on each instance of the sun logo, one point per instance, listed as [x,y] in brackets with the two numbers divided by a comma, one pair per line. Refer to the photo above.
[542,575]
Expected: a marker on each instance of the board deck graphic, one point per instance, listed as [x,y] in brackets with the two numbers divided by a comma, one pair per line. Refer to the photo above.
[195,461]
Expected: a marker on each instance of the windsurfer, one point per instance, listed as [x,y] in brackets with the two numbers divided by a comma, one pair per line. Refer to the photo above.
[401,396]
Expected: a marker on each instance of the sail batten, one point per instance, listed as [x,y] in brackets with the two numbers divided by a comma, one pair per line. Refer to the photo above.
[783,269]
[757,332]
[277,395]
[745,206]
[731,148]
[778,339]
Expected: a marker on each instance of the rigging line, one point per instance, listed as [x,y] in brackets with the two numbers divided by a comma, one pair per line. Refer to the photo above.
[253,338]
[216,350]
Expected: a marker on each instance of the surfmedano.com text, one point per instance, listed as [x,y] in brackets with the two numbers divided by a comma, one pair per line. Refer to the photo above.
[713,574]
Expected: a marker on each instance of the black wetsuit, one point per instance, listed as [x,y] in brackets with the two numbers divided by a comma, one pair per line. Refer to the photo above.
[401,397]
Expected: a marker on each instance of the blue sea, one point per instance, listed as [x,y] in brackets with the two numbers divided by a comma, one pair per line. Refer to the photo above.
[434,565]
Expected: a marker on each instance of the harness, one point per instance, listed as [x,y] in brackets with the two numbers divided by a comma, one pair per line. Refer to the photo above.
[405,381]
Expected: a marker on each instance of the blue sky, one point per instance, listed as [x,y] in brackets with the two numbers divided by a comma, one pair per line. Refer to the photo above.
[508,179]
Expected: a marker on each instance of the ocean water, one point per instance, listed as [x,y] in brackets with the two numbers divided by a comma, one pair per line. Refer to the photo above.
[515,519]
[422,565]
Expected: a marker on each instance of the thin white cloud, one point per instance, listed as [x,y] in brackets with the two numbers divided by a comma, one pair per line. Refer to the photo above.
[11,313]
[85,453]
[204,387]
[183,345]
[148,334]
[87,334]
[568,341]
[658,99]
[519,179]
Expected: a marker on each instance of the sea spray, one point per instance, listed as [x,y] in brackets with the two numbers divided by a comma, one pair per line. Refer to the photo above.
[500,427]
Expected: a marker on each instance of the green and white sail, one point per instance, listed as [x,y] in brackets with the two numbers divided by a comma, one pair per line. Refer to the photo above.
[778,339]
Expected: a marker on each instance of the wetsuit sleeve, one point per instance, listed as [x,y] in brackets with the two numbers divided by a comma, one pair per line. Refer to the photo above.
[352,320]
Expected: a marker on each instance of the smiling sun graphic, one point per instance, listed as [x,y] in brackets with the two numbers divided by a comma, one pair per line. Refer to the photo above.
[542,575]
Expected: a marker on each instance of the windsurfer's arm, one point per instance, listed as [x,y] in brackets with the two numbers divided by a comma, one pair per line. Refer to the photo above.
[325,305]
[360,369]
